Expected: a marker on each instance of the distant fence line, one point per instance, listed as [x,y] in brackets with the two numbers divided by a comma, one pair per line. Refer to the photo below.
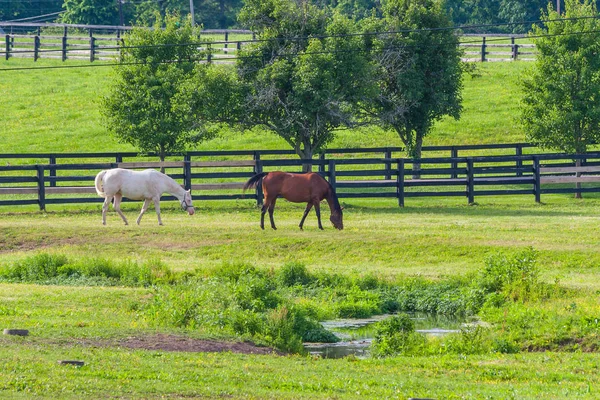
[372,177]
[102,42]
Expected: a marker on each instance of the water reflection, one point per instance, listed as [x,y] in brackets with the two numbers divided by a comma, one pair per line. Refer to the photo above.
[357,334]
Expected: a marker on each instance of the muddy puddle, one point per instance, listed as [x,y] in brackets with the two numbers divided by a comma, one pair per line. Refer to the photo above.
[356,335]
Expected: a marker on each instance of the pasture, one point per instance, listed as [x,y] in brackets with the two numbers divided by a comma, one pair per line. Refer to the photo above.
[434,239]
[122,298]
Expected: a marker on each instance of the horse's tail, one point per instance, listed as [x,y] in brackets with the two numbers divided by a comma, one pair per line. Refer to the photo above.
[254,181]
[98,183]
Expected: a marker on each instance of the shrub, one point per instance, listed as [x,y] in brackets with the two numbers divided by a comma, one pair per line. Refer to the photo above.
[396,335]
[292,274]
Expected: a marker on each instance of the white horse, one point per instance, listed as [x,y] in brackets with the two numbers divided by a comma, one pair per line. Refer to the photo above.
[146,185]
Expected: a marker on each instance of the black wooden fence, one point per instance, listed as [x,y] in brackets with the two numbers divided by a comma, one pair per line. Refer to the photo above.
[102,42]
[365,177]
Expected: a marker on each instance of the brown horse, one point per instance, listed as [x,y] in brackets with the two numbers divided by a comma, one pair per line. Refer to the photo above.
[297,188]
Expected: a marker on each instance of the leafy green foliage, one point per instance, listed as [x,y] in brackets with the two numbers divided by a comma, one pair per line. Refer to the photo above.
[560,102]
[57,269]
[419,71]
[396,335]
[144,107]
[301,82]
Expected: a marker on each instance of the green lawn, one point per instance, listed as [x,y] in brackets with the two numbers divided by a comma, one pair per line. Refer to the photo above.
[57,110]
[438,240]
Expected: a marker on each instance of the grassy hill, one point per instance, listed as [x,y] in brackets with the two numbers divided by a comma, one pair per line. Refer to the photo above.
[57,110]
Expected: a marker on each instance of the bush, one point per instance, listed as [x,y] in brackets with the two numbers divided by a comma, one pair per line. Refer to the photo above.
[292,274]
[396,335]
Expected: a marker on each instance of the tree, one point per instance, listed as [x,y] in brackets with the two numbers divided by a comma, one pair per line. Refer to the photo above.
[304,76]
[419,71]
[145,106]
[90,12]
[561,94]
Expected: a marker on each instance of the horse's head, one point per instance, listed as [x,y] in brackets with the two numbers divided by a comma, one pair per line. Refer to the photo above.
[186,203]
[336,219]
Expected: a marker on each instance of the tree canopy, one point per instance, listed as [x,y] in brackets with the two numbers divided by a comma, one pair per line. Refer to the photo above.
[561,102]
[304,75]
[144,106]
[419,75]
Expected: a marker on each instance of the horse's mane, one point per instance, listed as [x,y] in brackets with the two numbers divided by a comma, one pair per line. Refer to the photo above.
[336,203]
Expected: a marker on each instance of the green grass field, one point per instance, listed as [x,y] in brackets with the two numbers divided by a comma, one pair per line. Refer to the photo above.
[536,344]
[57,110]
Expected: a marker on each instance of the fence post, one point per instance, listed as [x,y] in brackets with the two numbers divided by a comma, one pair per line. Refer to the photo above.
[454,164]
[332,181]
[52,160]
[515,49]
[400,182]
[257,170]
[519,153]
[470,183]
[41,187]
[92,46]
[187,172]
[64,45]
[322,163]
[118,158]
[388,164]
[537,184]
[483,50]
[36,48]
[226,42]
[209,56]
[7,38]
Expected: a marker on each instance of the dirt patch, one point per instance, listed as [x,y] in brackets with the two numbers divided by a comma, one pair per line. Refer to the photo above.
[166,342]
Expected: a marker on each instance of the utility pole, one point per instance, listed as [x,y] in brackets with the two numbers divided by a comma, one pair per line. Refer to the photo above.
[192,12]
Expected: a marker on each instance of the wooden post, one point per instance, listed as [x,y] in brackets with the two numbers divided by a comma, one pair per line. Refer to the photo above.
[454,164]
[41,188]
[483,50]
[118,158]
[515,49]
[52,161]
[322,163]
[257,170]
[36,47]
[7,38]
[400,182]
[92,47]
[519,153]
[64,45]
[226,40]
[388,164]
[187,172]
[470,183]
[332,181]
[209,56]
[537,184]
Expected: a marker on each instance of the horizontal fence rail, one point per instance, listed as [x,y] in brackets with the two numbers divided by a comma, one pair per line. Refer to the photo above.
[43,184]
[101,42]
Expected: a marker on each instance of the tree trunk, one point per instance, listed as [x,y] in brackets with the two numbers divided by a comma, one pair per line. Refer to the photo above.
[307,154]
[161,155]
[416,155]
[578,184]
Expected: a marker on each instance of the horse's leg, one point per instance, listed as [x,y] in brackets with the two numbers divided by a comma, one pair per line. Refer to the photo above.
[107,201]
[117,207]
[262,216]
[156,201]
[308,207]
[144,209]
[318,211]
[271,208]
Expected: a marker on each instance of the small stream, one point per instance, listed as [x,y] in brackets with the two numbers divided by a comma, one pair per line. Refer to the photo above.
[357,334]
